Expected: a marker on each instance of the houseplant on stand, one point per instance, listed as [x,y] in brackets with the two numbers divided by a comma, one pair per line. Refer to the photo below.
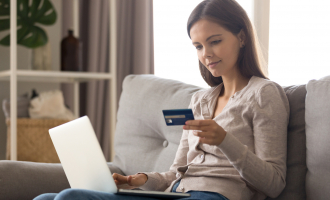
[30,13]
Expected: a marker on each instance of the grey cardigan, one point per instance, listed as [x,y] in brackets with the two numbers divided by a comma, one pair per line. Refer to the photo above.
[250,163]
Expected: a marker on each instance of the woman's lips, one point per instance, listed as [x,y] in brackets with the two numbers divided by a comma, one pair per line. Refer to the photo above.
[212,65]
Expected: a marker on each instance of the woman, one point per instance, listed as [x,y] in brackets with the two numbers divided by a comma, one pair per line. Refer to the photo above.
[236,147]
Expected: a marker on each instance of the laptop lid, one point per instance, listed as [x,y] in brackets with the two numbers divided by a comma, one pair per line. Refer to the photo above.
[84,164]
[81,156]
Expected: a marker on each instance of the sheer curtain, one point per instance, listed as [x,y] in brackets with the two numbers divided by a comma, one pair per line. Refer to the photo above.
[298,41]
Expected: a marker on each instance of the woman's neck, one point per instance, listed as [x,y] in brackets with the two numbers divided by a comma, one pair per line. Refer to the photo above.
[232,84]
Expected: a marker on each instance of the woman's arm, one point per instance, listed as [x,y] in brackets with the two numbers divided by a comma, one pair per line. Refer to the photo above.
[264,170]
[161,181]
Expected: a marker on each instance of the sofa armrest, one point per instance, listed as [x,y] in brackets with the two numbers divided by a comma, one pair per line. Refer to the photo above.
[26,180]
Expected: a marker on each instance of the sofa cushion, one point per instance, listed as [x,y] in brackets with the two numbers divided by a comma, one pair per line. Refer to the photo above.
[318,138]
[143,142]
[296,146]
[152,93]
[30,179]
[25,180]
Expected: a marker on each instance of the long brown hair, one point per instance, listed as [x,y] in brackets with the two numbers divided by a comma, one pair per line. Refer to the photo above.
[231,16]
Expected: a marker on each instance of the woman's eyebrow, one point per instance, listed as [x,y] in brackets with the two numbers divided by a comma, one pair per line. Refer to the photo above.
[208,38]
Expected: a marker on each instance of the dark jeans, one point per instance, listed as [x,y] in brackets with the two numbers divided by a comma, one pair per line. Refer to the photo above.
[80,194]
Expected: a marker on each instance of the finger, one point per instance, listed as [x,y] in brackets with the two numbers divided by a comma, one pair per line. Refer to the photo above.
[204,122]
[200,128]
[205,140]
[129,180]
[117,183]
[121,179]
[115,176]
[205,134]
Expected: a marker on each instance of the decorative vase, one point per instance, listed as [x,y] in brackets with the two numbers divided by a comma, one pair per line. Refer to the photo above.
[41,57]
[71,59]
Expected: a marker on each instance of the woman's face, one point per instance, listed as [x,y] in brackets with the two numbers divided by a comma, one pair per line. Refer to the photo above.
[217,48]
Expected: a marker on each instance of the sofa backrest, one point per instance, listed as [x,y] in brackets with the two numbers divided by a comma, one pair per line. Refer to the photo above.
[318,139]
[143,142]
[296,145]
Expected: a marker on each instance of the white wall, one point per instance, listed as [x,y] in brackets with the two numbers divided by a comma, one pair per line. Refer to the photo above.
[298,41]
[23,58]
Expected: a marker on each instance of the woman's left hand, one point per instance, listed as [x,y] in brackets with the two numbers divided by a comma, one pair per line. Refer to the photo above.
[208,131]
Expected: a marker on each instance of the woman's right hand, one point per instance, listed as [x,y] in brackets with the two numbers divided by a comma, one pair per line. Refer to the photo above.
[129,182]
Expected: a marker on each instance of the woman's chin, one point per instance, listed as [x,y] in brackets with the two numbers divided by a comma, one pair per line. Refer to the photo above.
[216,74]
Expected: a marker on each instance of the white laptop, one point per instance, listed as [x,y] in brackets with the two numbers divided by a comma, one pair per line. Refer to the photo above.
[83,161]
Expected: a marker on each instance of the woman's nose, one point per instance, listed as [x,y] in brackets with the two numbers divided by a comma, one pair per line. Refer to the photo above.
[207,52]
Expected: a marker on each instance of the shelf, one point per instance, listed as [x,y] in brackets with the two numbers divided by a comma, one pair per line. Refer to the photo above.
[15,75]
[54,76]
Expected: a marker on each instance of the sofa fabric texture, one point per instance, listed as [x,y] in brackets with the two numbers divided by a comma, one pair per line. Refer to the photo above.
[296,145]
[155,94]
[30,179]
[143,142]
[318,138]
[20,180]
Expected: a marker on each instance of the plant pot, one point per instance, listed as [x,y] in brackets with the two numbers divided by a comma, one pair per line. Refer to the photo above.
[41,58]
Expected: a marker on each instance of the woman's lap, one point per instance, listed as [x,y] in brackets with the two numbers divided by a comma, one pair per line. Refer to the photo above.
[48,196]
[80,194]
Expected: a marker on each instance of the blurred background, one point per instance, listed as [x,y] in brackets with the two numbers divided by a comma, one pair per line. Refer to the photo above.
[152,39]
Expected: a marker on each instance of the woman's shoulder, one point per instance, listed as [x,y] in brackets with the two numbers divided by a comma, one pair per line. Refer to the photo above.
[267,91]
[199,95]
[261,85]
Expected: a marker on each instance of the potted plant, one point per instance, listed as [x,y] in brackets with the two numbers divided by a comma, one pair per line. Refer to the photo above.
[30,13]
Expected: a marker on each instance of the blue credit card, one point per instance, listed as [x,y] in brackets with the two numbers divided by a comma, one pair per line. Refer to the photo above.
[177,116]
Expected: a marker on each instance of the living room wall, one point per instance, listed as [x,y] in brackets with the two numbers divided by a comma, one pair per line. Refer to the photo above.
[23,59]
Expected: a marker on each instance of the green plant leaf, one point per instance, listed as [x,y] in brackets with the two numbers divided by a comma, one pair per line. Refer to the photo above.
[30,37]
[34,8]
[21,33]
[41,16]
[38,38]
[4,8]
[29,34]
[5,41]
[4,24]
[23,9]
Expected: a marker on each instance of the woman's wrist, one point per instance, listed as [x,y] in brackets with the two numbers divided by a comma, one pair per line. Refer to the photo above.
[145,176]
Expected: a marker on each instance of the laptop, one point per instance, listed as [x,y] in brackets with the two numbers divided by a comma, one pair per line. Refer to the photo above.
[84,164]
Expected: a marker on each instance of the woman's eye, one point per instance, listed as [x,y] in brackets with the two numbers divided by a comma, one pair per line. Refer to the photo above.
[216,42]
[199,47]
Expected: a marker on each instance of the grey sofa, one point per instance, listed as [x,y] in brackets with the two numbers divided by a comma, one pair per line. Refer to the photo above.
[144,143]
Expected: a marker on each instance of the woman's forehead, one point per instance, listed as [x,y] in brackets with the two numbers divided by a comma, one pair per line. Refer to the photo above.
[203,29]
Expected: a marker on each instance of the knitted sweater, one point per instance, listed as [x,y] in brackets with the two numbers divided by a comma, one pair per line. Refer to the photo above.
[250,163]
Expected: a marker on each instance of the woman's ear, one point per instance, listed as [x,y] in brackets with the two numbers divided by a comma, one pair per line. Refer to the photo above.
[241,38]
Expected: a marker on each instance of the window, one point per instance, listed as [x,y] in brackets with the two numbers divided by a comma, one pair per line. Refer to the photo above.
[175,56]
[298,41]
